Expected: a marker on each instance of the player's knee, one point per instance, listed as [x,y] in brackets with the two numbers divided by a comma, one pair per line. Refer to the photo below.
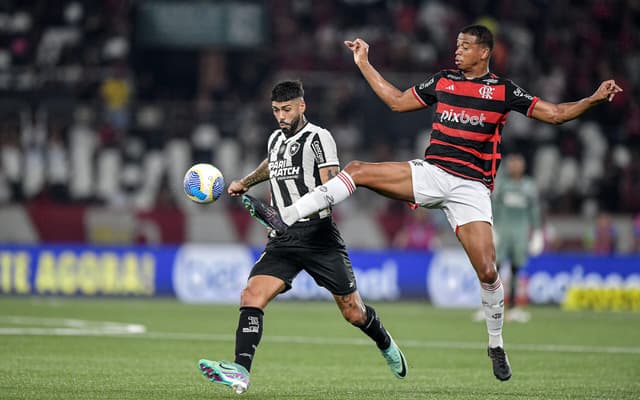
[250,297]
[355,316]
[487,272]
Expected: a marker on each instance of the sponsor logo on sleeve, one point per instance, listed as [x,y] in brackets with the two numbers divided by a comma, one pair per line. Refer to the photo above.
[424,85]
[521,93]
[319,153]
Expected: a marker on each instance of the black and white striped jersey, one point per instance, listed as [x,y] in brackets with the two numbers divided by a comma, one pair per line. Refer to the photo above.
[294,164]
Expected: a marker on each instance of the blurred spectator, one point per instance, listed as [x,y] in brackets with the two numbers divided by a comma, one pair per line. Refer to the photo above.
[629,185]
[116,92]
[418,232]
[602,239]
[636,234]
[57,167]
[204,141]
[11,161]
[85,53]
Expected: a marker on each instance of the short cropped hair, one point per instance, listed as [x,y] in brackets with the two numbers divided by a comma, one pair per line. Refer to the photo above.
[287,90]
[483,34]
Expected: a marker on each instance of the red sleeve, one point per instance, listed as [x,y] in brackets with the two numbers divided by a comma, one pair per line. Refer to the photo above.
[417,96]
[533,104]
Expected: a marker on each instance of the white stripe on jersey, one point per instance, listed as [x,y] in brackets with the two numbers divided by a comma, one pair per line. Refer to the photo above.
[293,190]
[308,162]
[276,196]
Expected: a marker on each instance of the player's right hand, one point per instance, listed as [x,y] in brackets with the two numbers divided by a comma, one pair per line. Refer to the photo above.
[607,91]
[360,50]
[237,188]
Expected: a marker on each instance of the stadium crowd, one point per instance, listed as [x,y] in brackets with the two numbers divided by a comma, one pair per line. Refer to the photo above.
[92,116]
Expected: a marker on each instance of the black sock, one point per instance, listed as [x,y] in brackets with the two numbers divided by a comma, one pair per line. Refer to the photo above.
[374,329]
[248,335]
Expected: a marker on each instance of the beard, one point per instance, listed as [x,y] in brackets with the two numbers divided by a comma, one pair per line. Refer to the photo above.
[293,127]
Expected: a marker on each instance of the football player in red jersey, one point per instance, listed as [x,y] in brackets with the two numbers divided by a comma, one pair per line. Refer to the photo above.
[461,161]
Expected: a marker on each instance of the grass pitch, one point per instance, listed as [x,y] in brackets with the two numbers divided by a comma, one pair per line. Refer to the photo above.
[148,349]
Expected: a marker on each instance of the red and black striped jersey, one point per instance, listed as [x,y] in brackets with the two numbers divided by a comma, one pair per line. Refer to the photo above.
[468,121]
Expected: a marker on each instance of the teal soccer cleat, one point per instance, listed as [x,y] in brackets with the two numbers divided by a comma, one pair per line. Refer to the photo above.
[395,360]
[226,373]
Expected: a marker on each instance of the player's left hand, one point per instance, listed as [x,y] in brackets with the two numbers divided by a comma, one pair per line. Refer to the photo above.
[360,50]
[606,92]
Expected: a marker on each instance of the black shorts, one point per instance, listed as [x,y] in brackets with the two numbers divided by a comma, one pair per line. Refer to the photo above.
[314,246]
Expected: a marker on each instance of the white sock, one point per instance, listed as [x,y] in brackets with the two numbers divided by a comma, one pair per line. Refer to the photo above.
[492,295]
[334,191]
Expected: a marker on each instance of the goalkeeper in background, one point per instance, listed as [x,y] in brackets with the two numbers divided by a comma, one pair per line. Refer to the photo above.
[517,222]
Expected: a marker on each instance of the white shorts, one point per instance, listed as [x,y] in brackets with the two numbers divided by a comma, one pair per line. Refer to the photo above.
[462,200]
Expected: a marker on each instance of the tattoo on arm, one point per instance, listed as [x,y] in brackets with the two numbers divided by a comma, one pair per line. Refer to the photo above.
[260,174]
[327,173]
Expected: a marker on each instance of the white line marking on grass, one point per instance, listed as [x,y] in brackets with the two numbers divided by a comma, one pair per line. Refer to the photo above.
[67,326]
[63,332]
[405,343]
[75,327]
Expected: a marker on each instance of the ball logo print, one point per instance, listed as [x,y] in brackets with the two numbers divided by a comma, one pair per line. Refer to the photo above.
[203,183]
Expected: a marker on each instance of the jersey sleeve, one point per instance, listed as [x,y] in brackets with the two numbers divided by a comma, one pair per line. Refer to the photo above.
[519,100]
[425,92]
[324,149]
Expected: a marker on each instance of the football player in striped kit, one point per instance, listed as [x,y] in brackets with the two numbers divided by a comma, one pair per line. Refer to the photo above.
[458,170]
[300,157]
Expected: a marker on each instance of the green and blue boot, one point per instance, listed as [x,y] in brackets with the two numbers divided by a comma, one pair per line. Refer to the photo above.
[395,360]
[226,373]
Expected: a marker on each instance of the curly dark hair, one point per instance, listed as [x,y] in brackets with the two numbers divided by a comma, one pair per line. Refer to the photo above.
[287,90]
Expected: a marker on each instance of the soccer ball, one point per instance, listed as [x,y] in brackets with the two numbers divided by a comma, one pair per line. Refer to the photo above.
[203,183]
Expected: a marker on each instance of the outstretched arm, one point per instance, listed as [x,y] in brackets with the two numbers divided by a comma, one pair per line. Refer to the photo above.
[397,100]
[563,112]
[260,174]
